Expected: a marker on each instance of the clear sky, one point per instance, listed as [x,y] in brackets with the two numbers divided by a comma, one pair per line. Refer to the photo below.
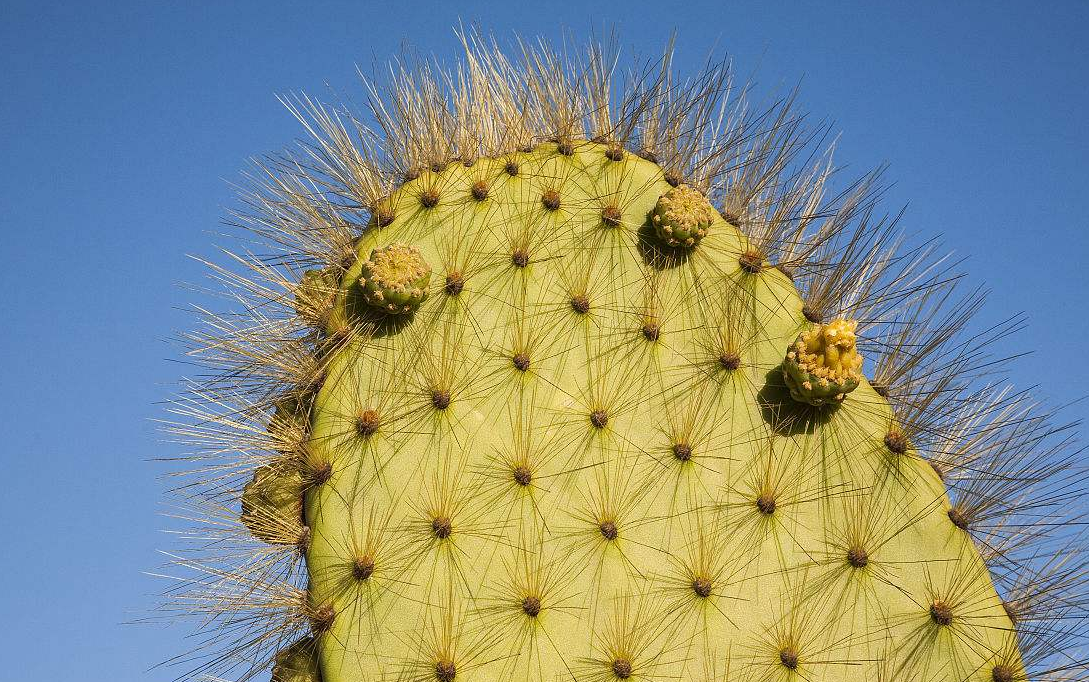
[121,124]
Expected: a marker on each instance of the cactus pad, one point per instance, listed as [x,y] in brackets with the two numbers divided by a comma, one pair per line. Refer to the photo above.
[551,493]
[612,441]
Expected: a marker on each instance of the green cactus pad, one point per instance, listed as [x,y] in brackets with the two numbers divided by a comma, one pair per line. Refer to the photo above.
[612,440]
[517,502]
[394,279]
[682,216]
[822,366]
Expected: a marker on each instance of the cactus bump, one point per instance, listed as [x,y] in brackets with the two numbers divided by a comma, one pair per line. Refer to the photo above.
[681,217]
[515,401]
[823,364]
[393,280]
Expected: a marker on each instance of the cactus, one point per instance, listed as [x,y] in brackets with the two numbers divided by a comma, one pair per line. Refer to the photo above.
[554,380]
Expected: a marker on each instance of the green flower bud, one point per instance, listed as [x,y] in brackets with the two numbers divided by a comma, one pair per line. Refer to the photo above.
[297,663]
[682,217]
[394,279]
[272,505]
[316,293]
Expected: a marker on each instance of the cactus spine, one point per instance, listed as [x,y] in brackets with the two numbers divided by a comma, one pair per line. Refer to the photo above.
[541,412]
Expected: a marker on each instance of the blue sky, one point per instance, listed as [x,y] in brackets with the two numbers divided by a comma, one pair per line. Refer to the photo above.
[121,124]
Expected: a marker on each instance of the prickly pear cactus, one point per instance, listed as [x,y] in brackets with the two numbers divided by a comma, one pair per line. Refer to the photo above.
[571,392]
